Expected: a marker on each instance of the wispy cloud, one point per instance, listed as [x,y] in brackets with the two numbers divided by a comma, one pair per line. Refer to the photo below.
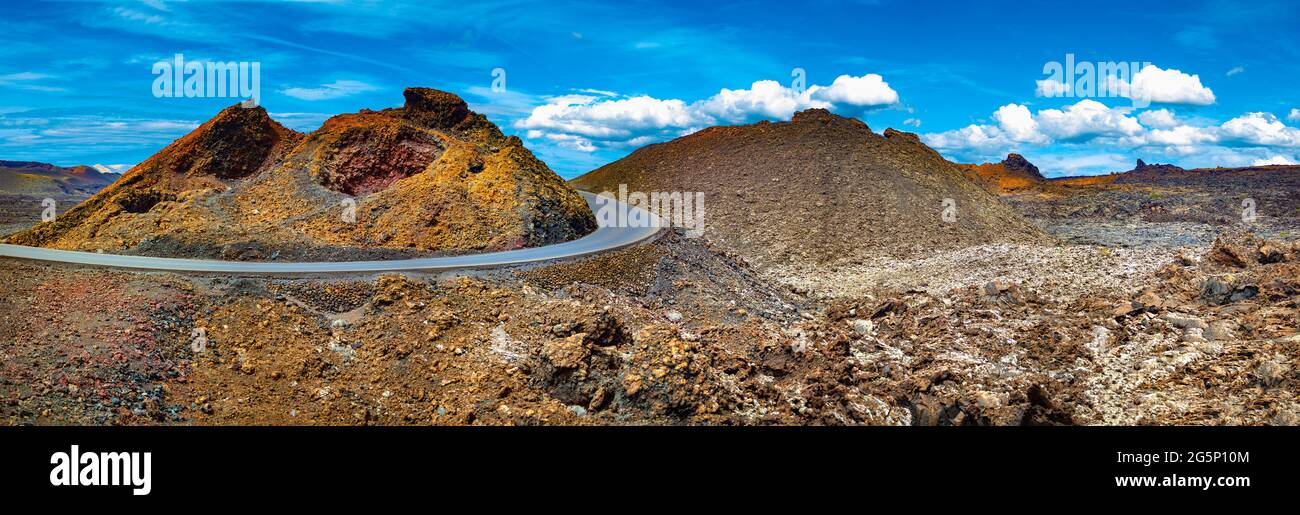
[133,15]
[28,81]
[331,91]
[102,133]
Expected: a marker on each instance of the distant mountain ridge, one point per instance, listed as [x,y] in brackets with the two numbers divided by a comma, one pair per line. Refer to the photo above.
[1143,172]
[34,178]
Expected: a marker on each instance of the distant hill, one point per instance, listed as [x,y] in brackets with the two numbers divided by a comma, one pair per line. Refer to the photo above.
[35,179]
[1169,175]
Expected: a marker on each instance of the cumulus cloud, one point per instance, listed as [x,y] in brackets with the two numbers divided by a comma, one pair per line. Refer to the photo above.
[1275,160]
[1158,118]
[1261,129]
[588,122]
[1015,121]
[765,98]
[1086,119]
[1181,136]
[867,90]
[1153,84]
[581,122]
[974,137]
[1090,124]
[1294,115]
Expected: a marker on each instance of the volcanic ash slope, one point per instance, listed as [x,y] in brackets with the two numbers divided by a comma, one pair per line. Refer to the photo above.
[820,192]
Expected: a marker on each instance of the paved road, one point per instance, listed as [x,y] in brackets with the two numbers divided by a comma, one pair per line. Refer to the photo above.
[603,239]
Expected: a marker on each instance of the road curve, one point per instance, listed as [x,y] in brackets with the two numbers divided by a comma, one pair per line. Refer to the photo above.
[602,239]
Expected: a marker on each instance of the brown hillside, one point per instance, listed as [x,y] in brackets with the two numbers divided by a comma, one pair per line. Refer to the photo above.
[820,189]
[430,177]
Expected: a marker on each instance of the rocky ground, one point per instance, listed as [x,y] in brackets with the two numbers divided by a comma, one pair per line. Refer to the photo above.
[1151,303]
[20,212]
[671,332]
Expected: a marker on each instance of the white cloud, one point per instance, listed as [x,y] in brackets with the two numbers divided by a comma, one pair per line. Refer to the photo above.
[765,98]
[587,122]
[584,115]
[1089,126]
[1235,70]
[982,138]
[1275,160]
[1051,88]
[1181,136]
[867,90]
[912,122]
[1294,115]
[1164,86]
[1084,120]
[1016,122]
[1159,118]
[1249,138]
[1262,129]
[1087,118]
[333,90]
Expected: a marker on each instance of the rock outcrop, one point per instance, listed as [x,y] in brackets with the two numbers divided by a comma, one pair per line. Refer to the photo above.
[1012,174]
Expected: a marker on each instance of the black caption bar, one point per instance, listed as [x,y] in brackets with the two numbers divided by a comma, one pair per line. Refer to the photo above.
[327,464]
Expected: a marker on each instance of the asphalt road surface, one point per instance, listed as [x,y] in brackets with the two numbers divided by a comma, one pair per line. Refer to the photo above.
[602,239]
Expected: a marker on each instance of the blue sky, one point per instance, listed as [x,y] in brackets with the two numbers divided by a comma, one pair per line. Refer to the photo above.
[588,82]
